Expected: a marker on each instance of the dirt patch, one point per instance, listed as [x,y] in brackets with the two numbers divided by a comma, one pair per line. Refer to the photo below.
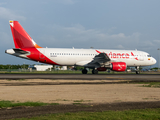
[50,92]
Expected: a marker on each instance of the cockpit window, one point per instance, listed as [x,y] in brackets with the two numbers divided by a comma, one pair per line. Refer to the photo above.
[148,55]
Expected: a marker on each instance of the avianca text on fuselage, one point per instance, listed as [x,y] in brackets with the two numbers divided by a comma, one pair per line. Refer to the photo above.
[119,55]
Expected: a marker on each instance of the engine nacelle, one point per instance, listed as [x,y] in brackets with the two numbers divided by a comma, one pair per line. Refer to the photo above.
[118,66]
[114,66]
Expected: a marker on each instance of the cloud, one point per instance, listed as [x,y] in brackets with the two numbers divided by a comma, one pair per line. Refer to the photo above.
[110,30]
[3,3]
[66,1]
[5,39]
[80,31]
[7,14]
[156,41]
[78,36]
[120,47]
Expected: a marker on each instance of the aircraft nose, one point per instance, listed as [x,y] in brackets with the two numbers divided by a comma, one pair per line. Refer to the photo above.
[154,61]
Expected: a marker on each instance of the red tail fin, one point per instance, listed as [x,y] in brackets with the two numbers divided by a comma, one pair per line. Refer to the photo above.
[21,37]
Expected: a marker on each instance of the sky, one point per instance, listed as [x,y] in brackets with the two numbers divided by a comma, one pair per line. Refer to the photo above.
[102,24]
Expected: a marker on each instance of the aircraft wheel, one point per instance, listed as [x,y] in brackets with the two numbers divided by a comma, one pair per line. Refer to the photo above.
[137,72]
[84,71]
[94,71]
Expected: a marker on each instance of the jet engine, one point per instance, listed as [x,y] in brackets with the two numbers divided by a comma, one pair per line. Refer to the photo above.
[114,66]
[118,66]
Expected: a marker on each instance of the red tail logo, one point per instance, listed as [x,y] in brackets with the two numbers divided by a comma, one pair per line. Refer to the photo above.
[21,37]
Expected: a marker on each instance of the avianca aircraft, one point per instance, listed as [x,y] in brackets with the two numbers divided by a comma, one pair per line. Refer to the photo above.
[96,59]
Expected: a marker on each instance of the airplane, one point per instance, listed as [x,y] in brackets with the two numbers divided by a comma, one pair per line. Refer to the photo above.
[95,59]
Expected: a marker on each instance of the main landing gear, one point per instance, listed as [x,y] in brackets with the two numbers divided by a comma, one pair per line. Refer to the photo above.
[94,71]
[84,71]
[137,70]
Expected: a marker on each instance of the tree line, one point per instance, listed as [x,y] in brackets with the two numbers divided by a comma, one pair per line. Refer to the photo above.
[24,66]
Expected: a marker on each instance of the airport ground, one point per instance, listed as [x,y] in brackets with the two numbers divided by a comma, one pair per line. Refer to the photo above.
[75,92]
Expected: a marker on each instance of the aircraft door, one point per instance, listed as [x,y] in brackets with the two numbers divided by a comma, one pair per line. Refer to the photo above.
[141,56]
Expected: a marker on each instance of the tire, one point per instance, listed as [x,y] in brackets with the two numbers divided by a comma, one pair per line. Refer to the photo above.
[94,71]
[84,71]
[137,72]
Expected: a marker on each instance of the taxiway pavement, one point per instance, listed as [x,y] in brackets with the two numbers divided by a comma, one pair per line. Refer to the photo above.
[133,77]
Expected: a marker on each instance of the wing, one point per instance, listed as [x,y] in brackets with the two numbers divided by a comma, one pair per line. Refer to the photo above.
[99,60]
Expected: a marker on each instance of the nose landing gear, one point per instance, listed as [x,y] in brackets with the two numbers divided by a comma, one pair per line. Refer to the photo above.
[137,70]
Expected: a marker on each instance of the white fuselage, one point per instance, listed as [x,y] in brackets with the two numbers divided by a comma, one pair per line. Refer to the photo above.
[81,57]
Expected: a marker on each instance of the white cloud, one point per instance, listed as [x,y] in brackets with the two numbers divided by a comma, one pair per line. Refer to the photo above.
[120,47]
[110,30]
[3,3]
[67,1]
[79,36]
[157,41]
[78,29]
[9,15]
[5,39]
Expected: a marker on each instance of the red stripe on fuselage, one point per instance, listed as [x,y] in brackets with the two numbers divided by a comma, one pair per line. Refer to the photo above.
[98,51]
[38,56]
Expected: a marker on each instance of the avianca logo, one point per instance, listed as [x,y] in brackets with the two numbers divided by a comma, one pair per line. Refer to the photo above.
[120,67]
[134,56]
[119,55]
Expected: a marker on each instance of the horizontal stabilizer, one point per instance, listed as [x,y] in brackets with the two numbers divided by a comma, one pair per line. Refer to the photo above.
[20,51]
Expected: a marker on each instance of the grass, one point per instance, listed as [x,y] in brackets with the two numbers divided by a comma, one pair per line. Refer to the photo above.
[78,101]
[150,84]
[5,104]
[62,100]
[141,114]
